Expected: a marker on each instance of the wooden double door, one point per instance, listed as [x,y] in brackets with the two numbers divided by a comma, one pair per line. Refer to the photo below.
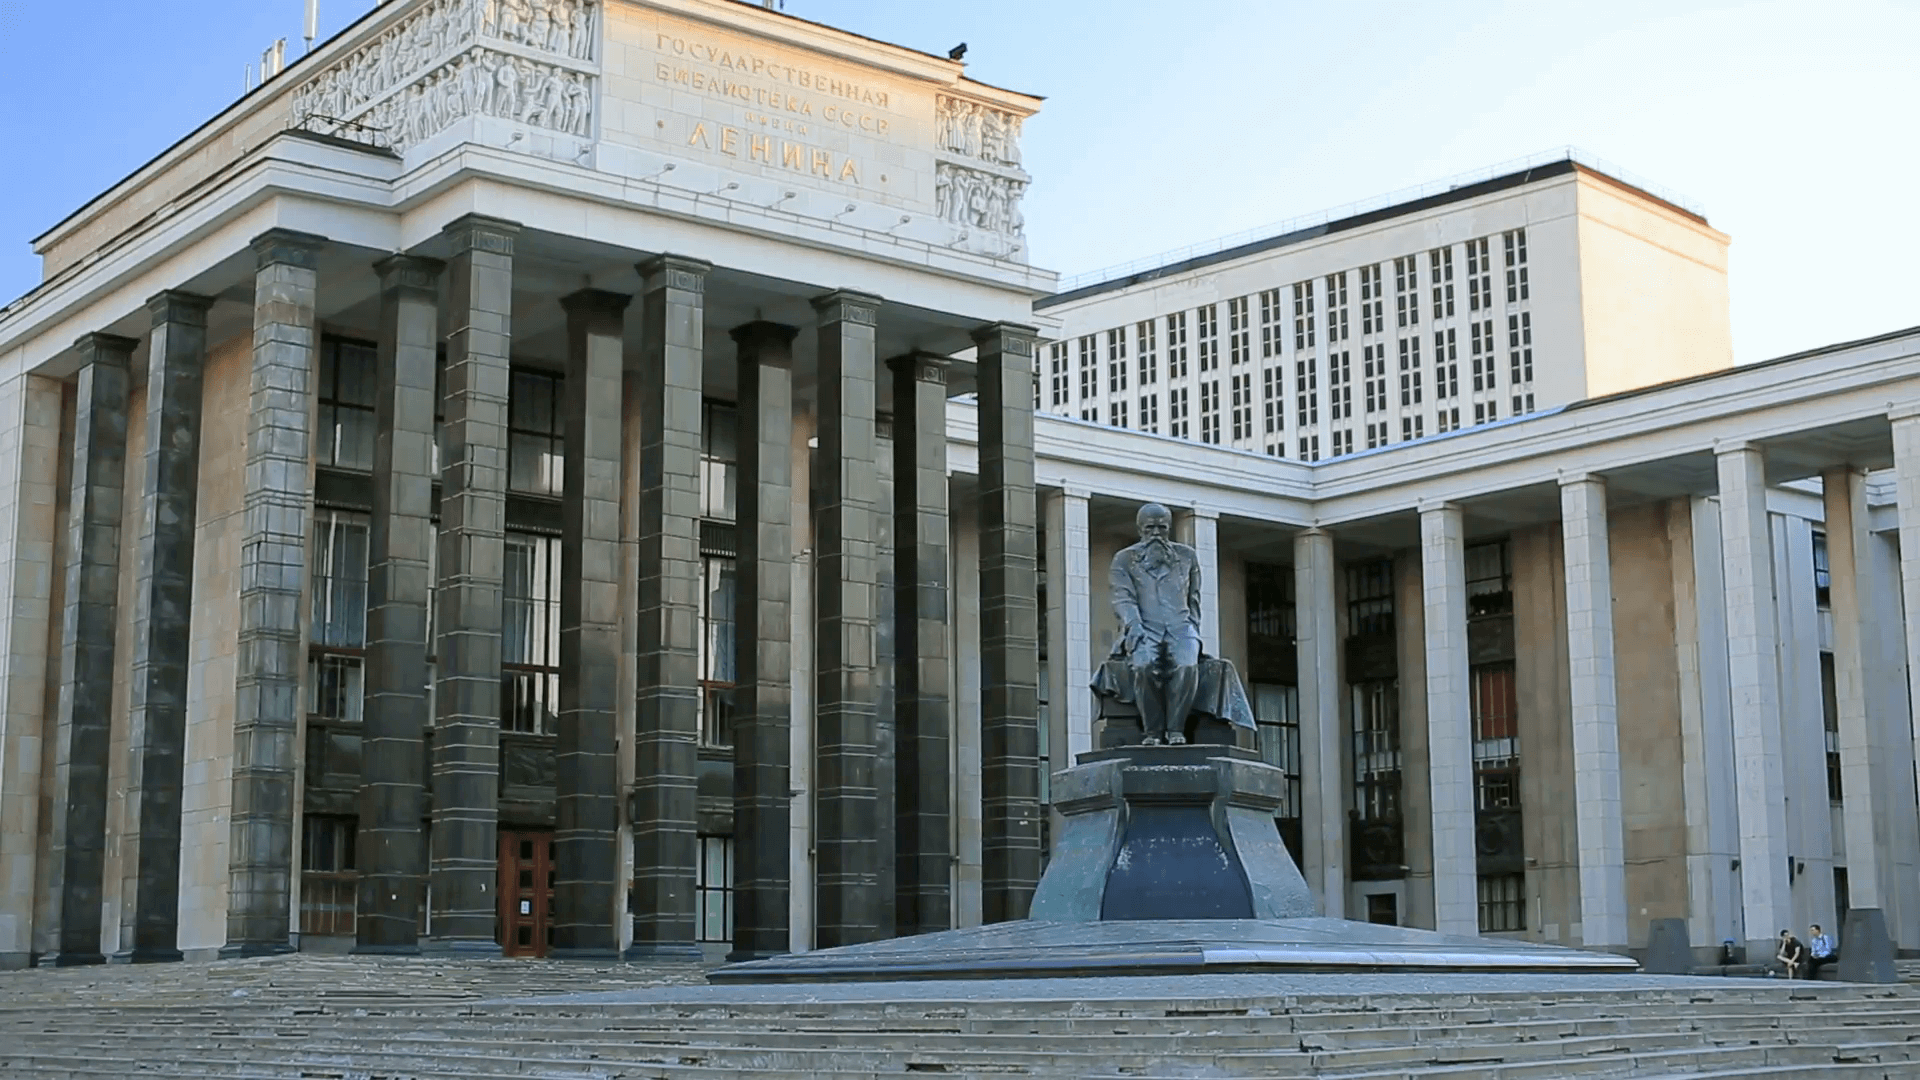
[526,892]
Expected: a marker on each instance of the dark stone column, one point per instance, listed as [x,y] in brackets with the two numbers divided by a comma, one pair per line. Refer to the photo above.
[464,868]
[278,511]
[77,822]
[665,846]
[392,849]
[845,582]
[587,788]
[763,666]
[923,900]
[1009,625]
[162,639]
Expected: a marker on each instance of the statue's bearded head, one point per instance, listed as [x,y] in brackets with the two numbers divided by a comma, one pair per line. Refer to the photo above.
[1155,523]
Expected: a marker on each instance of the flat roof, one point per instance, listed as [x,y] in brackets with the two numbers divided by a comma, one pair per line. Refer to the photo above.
[1458,193]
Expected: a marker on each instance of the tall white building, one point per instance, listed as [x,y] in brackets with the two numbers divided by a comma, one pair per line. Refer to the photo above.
[1489,300]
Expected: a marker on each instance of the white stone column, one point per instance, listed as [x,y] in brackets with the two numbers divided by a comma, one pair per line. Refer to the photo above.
[1904,853]
[30,409]
[965,598]
[1069,629]
[1323,789]
[1200,529]
[1443,578]
[1753,676]
[1706,724]
[1596,725]
[800,768]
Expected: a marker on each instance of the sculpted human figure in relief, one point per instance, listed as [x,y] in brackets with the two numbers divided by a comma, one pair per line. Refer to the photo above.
[1156,596]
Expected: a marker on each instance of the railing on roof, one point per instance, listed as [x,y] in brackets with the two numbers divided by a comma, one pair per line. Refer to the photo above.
[1377,202]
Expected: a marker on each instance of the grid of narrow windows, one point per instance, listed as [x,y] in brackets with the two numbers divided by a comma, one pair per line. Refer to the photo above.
[1445,420]
[1406,291]
[1373,373]
[1830,726]
[1117,360]
[1377,434]
[1342,442]
[1270,317]
[1089,368]
[1410,371]
[1340,386]
[1309,448]
[329,882]
[1412,427]
[1117,414]
[1210,411]
[1242,407]
[1372,304]
[1057,372]
[1239,332]
[1486,412]
[1090,413]
[1302,316]
[719,463]
[1480,349]
[1177,345]
[1271,400]
[1503,903]
[1446,365]
[1150,413]
[1496,736]
[337,638]
[1206,336]
[1376,702]
[535,432]
[1336,307]
[716,652]
[1479,276]
[1520,360]
[1146,342]
[1516,245]
[1177,412]
[1306,384]
[1440,276]
[713,888]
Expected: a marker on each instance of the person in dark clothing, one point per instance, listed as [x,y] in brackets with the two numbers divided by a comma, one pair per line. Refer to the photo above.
[1792,954]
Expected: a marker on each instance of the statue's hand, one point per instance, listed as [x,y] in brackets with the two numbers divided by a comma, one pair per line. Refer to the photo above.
[1133,637]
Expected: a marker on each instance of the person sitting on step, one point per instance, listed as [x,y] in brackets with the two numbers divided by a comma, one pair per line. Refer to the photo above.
[1822,951]
[1792,954]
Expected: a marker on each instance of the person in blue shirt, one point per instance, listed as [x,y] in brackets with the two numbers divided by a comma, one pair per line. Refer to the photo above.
[1821,946]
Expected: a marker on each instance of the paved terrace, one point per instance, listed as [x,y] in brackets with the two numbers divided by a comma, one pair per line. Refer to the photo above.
[352,1018]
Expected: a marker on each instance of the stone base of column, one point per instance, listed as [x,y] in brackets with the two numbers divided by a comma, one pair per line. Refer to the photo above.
[460,948]
[385,950]
[741,956]
[662,952]
[72,959]
[146,955]
[251,949]
[601,955]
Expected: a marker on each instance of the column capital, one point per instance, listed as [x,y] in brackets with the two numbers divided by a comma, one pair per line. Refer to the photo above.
[412,272]
[103,348]
[478,232]
[1902,410]
[772,342]
[1314,531]
[1723,447]
[1014,337]
[846,305]
[1433,506]
[920,366]
[182,308]
[1199,512]
[1068,491]
[1571,477]
[674,272]
[288,247]
[595,302]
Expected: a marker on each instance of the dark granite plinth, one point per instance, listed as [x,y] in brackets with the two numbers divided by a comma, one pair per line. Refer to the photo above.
[1866,950]
[1032,949]
[1169,864]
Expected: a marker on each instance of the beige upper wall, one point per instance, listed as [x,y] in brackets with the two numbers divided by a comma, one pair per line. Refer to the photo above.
[1653,290]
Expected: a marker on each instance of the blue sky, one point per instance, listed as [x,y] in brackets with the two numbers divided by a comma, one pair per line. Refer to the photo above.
[1790,124]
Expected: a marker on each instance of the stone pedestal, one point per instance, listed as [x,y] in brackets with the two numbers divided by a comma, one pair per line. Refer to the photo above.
[1170,832]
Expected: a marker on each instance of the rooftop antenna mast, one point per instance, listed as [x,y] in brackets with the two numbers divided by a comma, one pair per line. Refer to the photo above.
[312,28]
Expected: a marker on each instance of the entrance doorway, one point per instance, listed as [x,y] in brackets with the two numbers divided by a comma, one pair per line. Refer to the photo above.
[526,892]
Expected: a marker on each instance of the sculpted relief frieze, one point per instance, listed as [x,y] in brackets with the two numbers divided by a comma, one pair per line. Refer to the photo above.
[528,61]
[978,180]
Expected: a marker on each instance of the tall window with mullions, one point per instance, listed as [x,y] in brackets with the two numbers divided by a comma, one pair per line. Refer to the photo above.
[530,634]
[1375,722]
[343,433]
[337,635]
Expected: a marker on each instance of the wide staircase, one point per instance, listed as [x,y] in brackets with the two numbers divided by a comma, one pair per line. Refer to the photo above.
[385,1019]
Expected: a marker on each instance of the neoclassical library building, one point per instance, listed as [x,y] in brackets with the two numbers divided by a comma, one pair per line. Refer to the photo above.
[597,478]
